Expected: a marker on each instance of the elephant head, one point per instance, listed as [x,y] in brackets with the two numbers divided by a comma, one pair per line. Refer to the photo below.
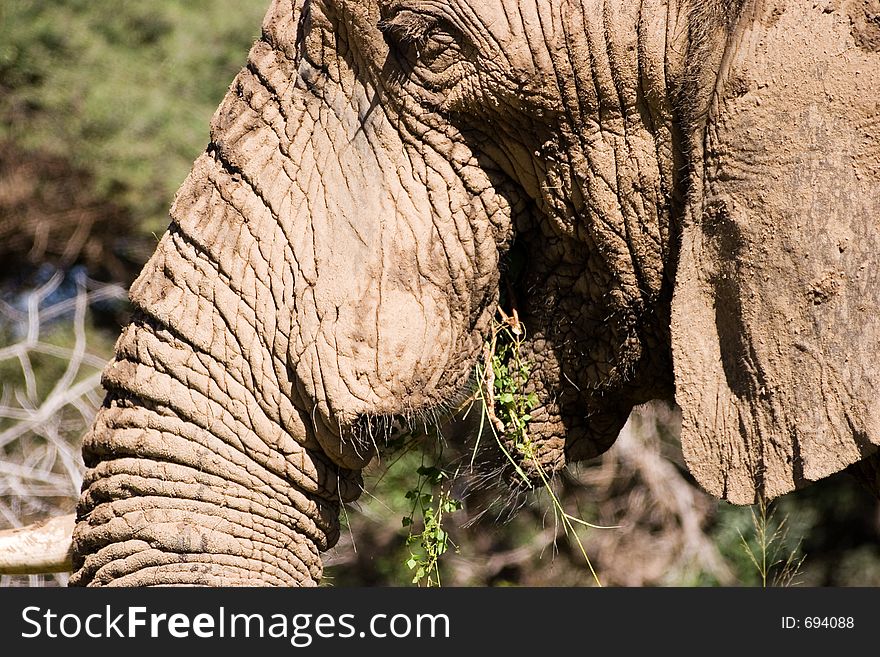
[691,190]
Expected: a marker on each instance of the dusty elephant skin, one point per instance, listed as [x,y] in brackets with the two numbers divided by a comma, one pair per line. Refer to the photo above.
[694,191]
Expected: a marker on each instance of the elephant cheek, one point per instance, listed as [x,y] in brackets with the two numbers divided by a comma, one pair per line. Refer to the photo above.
[384,363]
[413,347]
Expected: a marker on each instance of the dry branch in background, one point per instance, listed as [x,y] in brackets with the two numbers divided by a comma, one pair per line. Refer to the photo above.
[41,422]
[662,514]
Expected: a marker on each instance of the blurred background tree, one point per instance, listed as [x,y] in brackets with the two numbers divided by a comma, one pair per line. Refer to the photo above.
[103,107]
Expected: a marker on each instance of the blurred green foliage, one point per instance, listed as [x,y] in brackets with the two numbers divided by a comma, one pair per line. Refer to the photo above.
[125,90]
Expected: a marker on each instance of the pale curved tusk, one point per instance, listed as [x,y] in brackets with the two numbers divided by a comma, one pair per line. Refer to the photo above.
[43,547]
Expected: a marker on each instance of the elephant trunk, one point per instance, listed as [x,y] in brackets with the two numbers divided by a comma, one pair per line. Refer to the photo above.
[194,477]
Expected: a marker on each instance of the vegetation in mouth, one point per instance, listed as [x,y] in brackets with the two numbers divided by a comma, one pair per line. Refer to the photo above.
[502,377]
[501,381]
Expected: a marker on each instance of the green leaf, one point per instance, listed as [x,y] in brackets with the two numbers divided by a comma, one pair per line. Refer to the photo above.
[451,505]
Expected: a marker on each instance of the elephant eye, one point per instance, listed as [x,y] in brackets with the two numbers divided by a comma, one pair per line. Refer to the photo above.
[430,51]
[407,28]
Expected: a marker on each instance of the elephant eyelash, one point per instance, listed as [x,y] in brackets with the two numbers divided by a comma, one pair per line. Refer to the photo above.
[407,28]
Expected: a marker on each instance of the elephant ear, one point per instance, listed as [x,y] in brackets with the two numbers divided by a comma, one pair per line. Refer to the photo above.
[776,345]
[776,308]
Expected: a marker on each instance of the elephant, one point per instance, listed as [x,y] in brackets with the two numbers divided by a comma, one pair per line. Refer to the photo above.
[674,199]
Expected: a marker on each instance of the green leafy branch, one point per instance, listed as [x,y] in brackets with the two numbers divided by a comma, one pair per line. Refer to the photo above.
[503,376]
[432,542]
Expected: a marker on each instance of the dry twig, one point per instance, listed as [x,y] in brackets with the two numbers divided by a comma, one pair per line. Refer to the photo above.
[41,467]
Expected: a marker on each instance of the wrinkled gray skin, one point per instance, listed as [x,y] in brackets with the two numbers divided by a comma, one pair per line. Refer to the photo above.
[692,188]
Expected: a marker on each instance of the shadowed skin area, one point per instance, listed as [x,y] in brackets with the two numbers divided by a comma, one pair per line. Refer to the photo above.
[337,255]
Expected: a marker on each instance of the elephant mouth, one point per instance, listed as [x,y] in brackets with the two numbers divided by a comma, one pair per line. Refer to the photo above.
[464,435]
[463,442]
[380,430]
